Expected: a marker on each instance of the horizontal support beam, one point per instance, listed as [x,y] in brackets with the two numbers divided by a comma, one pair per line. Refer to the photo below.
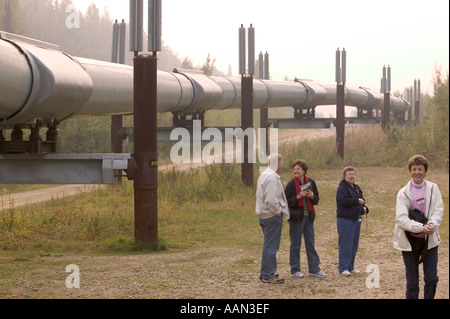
[319,123]
[301,124]
[62,168]
[165,132]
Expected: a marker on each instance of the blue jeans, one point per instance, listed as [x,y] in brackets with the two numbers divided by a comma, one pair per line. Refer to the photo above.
[271,228]
[411,260]
[297,229]
[348,231]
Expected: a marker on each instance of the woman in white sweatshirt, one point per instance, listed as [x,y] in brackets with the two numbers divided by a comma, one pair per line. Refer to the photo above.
[418,241]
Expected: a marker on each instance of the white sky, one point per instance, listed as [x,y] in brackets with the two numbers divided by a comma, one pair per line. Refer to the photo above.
[301,37]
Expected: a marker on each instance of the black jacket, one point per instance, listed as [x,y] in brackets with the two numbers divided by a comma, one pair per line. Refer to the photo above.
[291,196]
[347,201]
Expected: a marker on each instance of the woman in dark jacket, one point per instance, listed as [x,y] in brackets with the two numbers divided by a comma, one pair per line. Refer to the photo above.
[302,194]
[349,202]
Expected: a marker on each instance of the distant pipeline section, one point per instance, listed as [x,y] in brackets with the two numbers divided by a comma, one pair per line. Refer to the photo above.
[40,82]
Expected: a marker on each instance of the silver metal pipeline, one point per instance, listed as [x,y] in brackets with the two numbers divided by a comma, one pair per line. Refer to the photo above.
[38,81]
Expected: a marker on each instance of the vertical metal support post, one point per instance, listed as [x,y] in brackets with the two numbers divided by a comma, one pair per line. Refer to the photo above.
[136,26]
[116,134]
[386,111]
[417,100]
[247,122]
[386,90]
[17,133]
[52,135]
[340,101]
[340,120]
[247,97]
[264,112]
[410,100]
[117,56]
[35,140]
[145,149]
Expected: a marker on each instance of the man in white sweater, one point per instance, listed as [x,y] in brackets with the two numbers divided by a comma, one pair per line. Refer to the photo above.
[271,206]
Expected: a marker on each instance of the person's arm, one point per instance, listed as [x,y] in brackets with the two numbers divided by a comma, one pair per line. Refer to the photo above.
[271,196]
[291,194]
[314,196]
[436,213]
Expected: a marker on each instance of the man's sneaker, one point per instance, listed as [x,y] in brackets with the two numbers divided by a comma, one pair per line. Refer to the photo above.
[355,271]
[298,274]
[318,274]
[273,280]
[346,273]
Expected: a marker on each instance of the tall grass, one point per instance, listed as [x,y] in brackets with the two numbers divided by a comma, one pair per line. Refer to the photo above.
[369,146]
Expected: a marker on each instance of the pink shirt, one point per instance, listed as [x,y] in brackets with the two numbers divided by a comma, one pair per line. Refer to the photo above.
[419,193]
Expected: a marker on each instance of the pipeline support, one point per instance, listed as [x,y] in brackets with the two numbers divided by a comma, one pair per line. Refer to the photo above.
[144,166]
[340,119]
[247,122]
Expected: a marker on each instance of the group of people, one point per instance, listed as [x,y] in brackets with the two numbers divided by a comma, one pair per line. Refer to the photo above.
[419,212]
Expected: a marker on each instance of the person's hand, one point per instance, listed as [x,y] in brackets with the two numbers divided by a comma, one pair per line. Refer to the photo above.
[361,201]
[428,229]
[302,194]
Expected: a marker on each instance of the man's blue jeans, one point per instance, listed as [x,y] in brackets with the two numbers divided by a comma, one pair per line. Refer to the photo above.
[348,231]
[297,229]
[271,228]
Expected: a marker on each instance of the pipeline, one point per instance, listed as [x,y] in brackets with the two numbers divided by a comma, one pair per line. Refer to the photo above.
[39,81]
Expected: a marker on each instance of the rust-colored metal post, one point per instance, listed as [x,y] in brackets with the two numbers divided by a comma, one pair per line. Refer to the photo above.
[417,101]
[144,170]
[264,123]
[52,136]
[386,111]
[340,119]
[247,122]
[417,111]
[117,134]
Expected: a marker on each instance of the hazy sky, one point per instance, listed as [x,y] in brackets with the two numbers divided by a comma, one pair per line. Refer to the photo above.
[301,37]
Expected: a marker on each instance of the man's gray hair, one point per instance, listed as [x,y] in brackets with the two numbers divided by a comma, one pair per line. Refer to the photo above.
[274,159]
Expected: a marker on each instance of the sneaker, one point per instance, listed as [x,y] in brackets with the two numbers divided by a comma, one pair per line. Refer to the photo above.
[346,273]
[298,274]
[273,280]
[355,271]
[318,274]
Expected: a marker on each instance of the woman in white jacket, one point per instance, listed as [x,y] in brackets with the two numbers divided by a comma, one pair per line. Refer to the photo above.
[417,241]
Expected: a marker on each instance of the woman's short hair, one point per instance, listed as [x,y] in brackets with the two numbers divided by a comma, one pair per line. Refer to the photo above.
[348,169]
[301,163]
[418,160]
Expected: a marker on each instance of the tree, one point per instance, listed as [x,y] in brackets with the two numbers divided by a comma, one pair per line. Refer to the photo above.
[439,113]
[187,64]
[208,65]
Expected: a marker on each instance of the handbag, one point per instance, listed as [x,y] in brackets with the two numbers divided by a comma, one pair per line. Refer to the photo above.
[418,244]
[297,214]
[418,216]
